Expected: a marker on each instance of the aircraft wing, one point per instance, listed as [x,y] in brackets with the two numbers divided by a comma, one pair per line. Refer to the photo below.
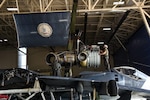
[99,76]
[61,81]
[21,78]
[67,82]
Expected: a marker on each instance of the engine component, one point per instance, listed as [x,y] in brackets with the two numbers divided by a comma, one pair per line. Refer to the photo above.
[69,58]
[93,59]
[90,57]
[51,58]
[65,57]
[82,57]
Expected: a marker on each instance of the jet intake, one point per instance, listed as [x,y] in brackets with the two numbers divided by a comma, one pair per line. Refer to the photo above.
[82,57]
[90,57]
[51,58]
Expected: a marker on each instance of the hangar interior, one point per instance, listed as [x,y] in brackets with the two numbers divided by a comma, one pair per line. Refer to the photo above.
[121,24]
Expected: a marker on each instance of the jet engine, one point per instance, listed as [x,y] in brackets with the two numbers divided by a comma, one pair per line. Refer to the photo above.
[63,57]
[90,57]
[87,57]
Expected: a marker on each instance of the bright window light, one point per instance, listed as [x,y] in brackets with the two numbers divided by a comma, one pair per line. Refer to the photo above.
[107,29]
[118,3]
[22,58]
[12,9]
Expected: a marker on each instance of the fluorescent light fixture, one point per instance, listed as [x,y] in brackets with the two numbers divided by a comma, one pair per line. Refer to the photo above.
[107,29]
[12,9]
[118,3]
[5,40]
[1,40]
[100,42]
[113,10]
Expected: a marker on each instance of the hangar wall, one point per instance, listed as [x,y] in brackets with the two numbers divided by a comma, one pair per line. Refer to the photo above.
[138,52]
[8,58]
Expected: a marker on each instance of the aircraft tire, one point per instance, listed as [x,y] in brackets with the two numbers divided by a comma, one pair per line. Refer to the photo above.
[101,88]
[112,88]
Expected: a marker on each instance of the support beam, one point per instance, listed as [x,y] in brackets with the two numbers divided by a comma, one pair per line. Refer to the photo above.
[146,14]
[145,21]
[119,24]
[95,4]
[110,9]
[66,2]
[14,91]
[100,20]
[43,97]
[85,3]
[48,5]
[17,4]
[143,2]
[120,43]
[2,3]
[101,10]
[89,4]
[35,89]
[135,2]
[31,96]
[94,93]
[41,8]
[13,28]
[143,16]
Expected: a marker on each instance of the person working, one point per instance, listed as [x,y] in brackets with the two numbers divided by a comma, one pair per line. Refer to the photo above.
[105,53]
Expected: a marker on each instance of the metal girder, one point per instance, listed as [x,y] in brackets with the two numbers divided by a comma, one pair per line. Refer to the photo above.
[131,25]
[67,6]
[115,9]
[48,5]
[2,3]
[88,6]
[17,5]
[140,5]
[13,28]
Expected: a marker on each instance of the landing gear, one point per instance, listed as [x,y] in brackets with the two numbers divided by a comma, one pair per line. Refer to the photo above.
[112,88]
[79,89]
[107,88]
